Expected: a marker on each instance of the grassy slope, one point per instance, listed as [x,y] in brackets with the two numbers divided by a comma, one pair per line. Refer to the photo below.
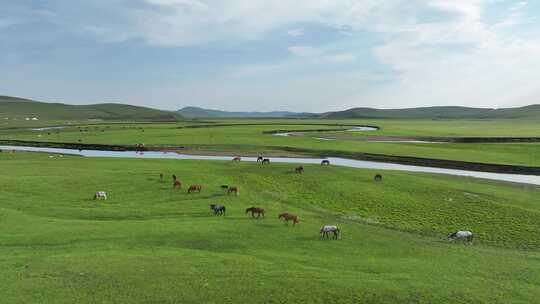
[250,138]
[147,244]
[526,112]
[12,107]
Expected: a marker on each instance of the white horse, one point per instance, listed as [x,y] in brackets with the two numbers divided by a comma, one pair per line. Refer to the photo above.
[461,235]
[100,195]
[327,229]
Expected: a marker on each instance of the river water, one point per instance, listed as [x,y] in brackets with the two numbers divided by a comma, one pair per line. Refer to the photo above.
[352,163]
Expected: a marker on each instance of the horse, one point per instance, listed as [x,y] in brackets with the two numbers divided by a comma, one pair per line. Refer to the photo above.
[325,162]
[100,195]
[289,217]
[218,209]
[177,184]
[260,159]
[299,170]
[461,235]
[194,188]
[161,177]
[254,210]
[266,161]
[236,159]
[327,229]
[378,178]
[234,190]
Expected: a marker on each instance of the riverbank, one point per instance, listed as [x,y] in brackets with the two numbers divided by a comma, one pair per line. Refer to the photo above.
[294,152]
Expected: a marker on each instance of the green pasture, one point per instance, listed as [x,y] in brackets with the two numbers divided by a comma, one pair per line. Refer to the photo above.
[150,244]
[248,137]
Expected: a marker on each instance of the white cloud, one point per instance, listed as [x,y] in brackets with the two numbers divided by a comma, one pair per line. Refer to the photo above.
[295,32]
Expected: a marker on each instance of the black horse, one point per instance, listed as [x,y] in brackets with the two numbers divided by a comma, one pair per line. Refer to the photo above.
[260,159]
[325,162]
[218,209]
[378,178]
[266,161]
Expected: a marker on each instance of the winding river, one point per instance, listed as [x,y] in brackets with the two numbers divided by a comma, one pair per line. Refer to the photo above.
[517,178]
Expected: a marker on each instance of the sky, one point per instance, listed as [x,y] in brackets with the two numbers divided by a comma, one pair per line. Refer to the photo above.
[303,55]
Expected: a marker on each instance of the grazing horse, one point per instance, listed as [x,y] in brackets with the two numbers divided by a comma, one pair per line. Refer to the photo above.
[194,188]
[218,209]
[461,235]
[253,210]
[289,217]
[236,159]
[266,161]
[378,178]
[325,162]
[234,190]
[177,185]
[299,170]
[260,159]
[100,195]
[327,229]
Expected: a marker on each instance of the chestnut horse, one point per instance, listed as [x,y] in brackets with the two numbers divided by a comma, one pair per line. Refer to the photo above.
[194,188]
[299,170]
[253,210]
[177,185]
[289,217]
[234,190]
[236,159]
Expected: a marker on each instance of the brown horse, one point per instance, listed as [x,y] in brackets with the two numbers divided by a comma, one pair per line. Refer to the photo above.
[299,170]
[177,185]
[253,210]
[289,217]
[194,188]
[234,190]
[236,159]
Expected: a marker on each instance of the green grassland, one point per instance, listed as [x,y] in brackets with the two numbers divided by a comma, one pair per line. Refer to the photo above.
[16,109]
[149,244]
[247,137]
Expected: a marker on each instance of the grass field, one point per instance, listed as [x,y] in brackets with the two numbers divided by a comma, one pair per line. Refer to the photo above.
[148,244]
[246,136]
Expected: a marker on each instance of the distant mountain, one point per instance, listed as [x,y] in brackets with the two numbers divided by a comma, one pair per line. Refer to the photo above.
[20,108]
[196,112]
[527,112]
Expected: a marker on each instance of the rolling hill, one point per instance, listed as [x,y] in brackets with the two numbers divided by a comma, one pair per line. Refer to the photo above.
[20,108]
[449,112]
[196,112]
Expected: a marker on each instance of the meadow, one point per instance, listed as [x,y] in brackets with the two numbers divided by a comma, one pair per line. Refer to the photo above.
[149,244]
[245,136]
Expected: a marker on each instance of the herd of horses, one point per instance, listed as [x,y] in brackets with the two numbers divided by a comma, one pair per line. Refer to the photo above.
[257,212]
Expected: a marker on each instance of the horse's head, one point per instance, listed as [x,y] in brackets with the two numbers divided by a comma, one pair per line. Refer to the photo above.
[451,236]
[248,210]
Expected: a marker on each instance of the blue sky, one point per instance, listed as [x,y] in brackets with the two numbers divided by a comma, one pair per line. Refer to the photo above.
[310,55]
